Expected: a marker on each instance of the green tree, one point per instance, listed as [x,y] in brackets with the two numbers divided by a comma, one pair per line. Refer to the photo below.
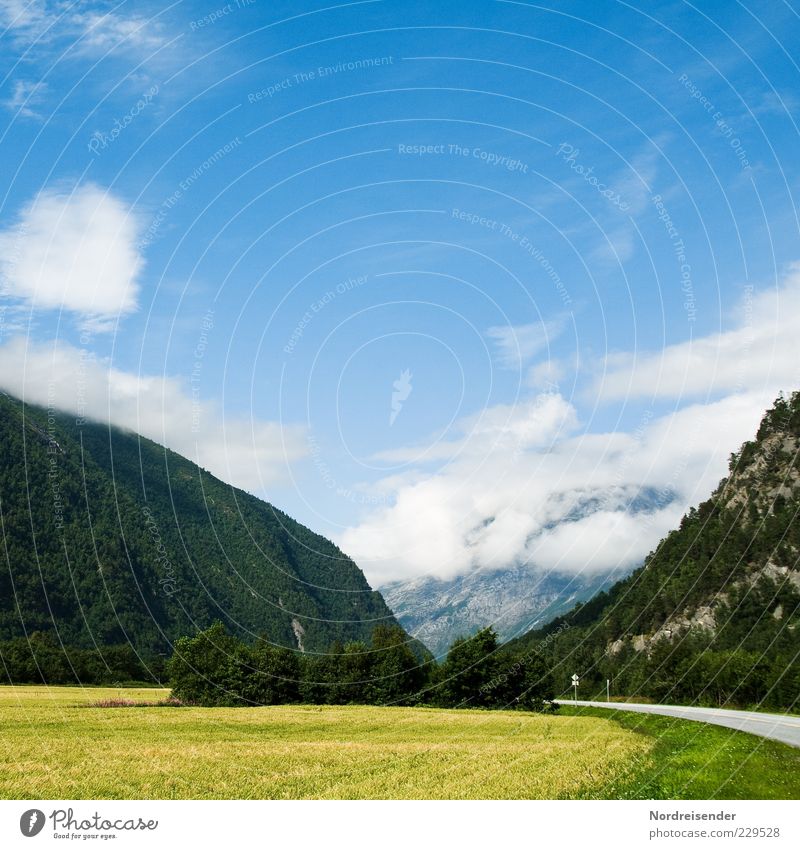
[209,669]
[272,676]
[468,677]
[397,675]
[525,682]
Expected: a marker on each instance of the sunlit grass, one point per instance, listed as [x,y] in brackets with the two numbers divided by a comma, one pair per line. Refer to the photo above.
[52,745]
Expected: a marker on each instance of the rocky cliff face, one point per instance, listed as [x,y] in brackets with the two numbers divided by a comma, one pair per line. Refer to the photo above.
[759,498]
[512,600]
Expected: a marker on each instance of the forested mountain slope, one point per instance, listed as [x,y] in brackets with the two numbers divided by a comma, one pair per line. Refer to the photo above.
[109,538]
[713,614]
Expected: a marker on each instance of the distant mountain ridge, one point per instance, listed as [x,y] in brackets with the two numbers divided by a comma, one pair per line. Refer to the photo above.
[109,538]
[512,599]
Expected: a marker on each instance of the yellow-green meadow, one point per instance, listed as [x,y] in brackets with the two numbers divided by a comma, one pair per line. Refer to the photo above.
[55,745]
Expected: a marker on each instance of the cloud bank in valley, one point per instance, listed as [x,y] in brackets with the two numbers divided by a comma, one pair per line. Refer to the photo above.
[525,485]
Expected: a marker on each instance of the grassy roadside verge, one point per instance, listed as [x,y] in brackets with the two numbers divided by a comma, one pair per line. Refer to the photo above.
[566,698]
[693,760]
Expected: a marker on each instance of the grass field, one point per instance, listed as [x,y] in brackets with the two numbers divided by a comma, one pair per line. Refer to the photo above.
[52,745]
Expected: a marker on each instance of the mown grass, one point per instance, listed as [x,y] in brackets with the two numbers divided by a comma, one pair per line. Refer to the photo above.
[694,760]
[54,744]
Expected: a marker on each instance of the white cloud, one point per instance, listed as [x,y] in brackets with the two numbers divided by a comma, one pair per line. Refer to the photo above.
[560,503]
[20,14]
[103,33]
[633,183]
[25,96]
[503,427]
[547,374]
[74,251]
[515,345]
[248,453]
[759,352]
[602,541]
[616,247]
[41,22]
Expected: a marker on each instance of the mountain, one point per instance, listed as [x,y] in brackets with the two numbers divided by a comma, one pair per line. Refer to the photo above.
[513,599]
[109,538]
[713,614]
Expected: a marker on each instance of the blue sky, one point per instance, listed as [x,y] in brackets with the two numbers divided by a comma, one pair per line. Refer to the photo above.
[270,211]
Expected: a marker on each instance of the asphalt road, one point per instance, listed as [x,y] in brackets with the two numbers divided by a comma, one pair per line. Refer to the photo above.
[775,726]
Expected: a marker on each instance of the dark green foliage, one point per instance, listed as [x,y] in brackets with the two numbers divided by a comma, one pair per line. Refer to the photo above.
[397,675]
[215,668]
[210,669]
[476,674]
[385,672]
[109,538]
[273,677]
[471,669]
[731,555]
[40,659]
[524,681]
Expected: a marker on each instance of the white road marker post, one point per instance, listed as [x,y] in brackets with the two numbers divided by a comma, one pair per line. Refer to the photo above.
[575,682]
[608,689]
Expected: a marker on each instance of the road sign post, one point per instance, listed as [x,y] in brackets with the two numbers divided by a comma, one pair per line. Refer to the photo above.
[575,681]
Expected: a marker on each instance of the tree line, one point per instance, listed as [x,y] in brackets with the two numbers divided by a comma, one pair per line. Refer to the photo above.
[41,659]
[216,668]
